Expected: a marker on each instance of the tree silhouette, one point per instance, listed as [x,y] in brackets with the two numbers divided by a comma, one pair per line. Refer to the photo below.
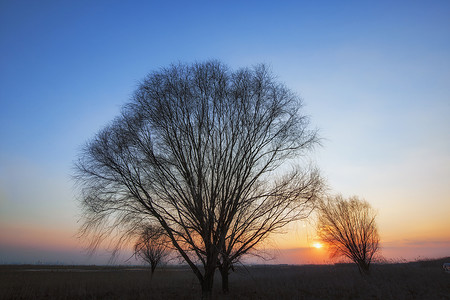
[151,246]
[348,228]
[197,152]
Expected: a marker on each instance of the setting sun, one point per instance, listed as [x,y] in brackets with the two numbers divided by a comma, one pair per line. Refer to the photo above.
[317,245]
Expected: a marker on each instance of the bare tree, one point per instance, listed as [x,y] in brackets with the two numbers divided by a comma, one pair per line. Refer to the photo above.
[151,246]
[348,228]
[197,151]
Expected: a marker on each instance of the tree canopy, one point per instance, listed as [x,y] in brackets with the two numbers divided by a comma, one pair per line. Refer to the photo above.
[151,246]
[348,228]
[197,151]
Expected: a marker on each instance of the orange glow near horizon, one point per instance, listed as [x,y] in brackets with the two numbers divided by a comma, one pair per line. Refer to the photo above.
[294,247]
[317,245]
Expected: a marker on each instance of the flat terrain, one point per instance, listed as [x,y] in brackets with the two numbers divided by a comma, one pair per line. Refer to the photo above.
[417,280]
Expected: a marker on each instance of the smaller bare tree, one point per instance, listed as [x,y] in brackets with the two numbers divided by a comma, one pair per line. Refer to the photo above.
[151,246]
[348,228]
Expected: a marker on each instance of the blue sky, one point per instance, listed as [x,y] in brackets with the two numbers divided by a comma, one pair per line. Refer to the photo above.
[374,76]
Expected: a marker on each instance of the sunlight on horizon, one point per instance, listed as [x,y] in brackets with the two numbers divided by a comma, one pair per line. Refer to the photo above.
[317,245]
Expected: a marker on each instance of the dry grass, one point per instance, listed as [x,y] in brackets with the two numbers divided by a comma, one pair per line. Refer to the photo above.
[418,280]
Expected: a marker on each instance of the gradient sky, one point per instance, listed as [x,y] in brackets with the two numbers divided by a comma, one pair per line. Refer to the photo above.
[375,78]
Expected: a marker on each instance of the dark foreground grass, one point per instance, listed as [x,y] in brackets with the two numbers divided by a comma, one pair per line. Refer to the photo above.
[417,280]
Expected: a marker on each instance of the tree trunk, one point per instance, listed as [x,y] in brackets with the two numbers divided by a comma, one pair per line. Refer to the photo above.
[224,274]
[207,285]
[363,268]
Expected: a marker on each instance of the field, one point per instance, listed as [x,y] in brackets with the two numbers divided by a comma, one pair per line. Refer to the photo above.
[416,280]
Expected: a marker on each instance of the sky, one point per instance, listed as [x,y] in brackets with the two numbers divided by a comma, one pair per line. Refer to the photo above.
[374,78]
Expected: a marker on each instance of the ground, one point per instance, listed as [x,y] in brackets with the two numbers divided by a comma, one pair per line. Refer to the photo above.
[417,280]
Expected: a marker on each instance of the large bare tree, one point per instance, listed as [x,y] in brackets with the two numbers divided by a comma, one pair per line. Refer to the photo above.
[197,151]
[348,228]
